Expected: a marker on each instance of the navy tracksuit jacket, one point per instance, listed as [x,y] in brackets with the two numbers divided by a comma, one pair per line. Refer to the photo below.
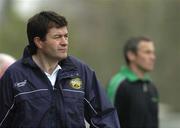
[28,100]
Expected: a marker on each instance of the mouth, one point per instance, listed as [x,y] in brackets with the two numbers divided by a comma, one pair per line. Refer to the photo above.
[64,50]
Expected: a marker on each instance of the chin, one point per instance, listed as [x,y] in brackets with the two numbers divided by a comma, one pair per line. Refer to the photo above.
[63,57]
[149,69]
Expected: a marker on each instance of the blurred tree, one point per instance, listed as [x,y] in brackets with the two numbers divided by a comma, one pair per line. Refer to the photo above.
[12,34]
[4,10]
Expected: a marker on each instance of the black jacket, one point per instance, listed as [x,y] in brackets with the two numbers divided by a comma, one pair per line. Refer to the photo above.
[136,101]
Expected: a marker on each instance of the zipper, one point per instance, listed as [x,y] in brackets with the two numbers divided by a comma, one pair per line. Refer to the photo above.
[145,88]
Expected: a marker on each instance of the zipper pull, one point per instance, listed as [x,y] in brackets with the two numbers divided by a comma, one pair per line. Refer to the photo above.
[145,88]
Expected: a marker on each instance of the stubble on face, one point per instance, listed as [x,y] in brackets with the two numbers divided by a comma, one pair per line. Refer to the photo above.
[56,44]
[145,57]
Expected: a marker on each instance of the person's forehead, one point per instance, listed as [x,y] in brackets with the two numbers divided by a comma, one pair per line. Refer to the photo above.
[145,44]
[55,29]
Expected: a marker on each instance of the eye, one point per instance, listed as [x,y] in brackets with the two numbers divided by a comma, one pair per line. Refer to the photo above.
[57,36]
[66,35]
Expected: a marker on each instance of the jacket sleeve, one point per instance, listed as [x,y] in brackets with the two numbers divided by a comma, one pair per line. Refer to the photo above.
[6,100]
[99,111]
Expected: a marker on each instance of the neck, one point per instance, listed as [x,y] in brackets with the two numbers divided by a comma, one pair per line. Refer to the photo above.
[45,64]
[140,73]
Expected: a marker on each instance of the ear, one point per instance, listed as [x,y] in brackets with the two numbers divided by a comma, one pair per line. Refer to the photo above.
[38,42]
[131,56]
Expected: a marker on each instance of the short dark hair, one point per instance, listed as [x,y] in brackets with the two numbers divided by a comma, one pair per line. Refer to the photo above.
[132,45]
[39,24]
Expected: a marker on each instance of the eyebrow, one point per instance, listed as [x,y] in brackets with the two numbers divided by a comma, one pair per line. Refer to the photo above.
[53,35]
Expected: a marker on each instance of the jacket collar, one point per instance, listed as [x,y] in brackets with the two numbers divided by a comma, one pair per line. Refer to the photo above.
[67,64]
[130,75]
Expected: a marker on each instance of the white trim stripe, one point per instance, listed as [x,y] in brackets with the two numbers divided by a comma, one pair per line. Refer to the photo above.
[69,90]
[94,112]
[7,114]
[91,106]
[23,93]
[94,124]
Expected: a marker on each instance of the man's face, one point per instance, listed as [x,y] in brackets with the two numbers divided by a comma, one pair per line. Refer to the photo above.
[55,46]
[145,56]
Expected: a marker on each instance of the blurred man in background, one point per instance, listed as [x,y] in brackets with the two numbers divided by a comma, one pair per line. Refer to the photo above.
[131,90]
[5,61]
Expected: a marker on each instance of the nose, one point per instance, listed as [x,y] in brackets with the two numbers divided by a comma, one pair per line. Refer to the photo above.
[153,56]
[64,40]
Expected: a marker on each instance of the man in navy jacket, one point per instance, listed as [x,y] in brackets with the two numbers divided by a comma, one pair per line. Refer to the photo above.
[47,88]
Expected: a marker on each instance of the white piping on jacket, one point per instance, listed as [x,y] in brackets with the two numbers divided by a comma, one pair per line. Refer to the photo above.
[93,110]
[7,114]
[69,90]
[23,93]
